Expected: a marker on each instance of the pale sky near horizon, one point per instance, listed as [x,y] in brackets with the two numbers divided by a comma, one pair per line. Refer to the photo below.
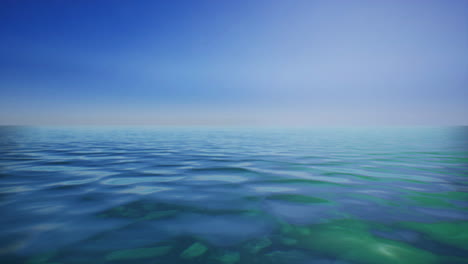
[234,62]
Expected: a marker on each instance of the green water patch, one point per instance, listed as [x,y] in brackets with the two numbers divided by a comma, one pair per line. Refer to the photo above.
[288,241]
[197,249]
[440,199]
[228,257]
[257,245]
[450,233]
[138,253]
[351,240]
[43,258]
[297,198]
[462,196]
[430,201]
[455,160]
[293,231]
[301,181]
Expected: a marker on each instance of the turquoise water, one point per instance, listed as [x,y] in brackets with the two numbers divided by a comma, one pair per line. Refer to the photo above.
[233,195]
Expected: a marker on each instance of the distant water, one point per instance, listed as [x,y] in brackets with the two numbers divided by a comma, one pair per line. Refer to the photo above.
[215,195]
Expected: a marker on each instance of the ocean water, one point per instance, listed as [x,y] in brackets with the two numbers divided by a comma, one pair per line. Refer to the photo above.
[233,195]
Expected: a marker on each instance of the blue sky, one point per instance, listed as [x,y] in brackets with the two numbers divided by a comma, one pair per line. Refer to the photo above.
[234,62]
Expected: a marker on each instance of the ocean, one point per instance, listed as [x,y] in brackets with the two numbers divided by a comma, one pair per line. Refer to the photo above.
[370,195]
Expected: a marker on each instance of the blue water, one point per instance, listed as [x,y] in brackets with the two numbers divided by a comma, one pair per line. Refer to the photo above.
[233,195]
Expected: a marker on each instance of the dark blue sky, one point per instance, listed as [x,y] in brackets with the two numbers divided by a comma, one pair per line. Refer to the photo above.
[234,62]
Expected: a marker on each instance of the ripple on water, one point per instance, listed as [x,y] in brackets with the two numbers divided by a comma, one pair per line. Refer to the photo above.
[144,190]
[218,178]
[133,180]
[247,196]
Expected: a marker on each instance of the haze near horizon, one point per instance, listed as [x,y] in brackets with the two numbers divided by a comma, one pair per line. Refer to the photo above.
[234,63]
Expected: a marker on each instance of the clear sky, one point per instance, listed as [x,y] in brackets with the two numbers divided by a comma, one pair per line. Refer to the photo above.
[239,62]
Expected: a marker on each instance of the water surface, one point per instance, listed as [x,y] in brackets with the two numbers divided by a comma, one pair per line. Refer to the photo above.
[233,195]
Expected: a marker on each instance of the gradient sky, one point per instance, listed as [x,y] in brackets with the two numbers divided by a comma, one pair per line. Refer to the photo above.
[234,62]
